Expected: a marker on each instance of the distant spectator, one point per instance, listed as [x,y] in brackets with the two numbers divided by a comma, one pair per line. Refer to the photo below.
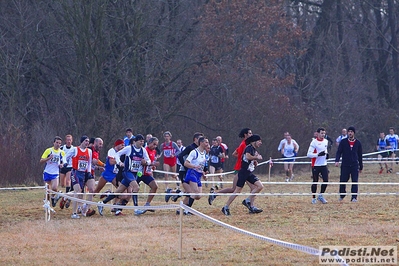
[342,136]
[129,136]
[383,147]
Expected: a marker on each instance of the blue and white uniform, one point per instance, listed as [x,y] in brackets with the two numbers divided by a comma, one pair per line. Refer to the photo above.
[393,141]
[132,162]
[110,170]
[197,158]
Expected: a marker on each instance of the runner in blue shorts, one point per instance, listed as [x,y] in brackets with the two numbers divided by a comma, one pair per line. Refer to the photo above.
[110,169]
[148,177]
[194,164]
[81,163]
[53,158]
[136,159]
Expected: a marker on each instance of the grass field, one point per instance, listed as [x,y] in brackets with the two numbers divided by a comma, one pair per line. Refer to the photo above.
[153,238]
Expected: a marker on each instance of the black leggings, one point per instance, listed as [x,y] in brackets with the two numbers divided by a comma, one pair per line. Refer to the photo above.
[316,170]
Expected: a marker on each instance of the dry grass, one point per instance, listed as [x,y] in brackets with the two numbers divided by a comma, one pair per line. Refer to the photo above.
[152,239]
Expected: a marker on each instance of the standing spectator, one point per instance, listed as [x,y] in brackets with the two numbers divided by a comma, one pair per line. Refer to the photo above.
[344,134]
[54,158]
[318,151]
[352,163]
[129,136]
[289,150]
[393,143]
[383,147]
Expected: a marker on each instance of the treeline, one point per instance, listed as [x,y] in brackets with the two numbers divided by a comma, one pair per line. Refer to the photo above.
[98,67]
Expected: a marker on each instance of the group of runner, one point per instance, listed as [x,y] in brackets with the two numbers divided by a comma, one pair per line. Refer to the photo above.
[386,146]
[128,165]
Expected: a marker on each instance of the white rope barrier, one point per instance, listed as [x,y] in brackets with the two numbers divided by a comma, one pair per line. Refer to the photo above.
[72,197]
[301,248]
[21,188]
[47,209]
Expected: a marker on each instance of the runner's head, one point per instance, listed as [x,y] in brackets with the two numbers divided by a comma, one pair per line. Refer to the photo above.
[245,133]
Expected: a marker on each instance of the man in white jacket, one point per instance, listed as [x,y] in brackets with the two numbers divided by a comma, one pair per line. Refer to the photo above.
[318,152]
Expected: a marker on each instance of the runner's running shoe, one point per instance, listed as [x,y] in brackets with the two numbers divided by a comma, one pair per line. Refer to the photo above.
[100,208]
[169,195]
[226,211]
[322,199]
[247,204]
[212,197]
[75,216]
[255,210]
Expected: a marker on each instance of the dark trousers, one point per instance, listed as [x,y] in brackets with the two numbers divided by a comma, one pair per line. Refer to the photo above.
[323,170]
[346,173]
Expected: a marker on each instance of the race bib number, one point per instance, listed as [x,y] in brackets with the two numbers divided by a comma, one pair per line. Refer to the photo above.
[167,153]
[251,167]
[55,159]
[214,159]
[200,169]
[393,145]
[116,170]
[82,165]
[134,166]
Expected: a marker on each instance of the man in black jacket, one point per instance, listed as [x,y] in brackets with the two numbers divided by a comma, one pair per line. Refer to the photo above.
[352,163]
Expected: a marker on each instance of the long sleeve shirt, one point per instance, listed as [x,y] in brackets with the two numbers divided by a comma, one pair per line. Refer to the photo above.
[351,152]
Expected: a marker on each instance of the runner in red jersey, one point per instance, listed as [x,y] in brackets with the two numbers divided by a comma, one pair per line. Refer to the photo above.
[97,163]
[81,164]
[169,149]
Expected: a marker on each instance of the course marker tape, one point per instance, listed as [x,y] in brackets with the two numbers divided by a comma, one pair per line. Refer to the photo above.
[301,248]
